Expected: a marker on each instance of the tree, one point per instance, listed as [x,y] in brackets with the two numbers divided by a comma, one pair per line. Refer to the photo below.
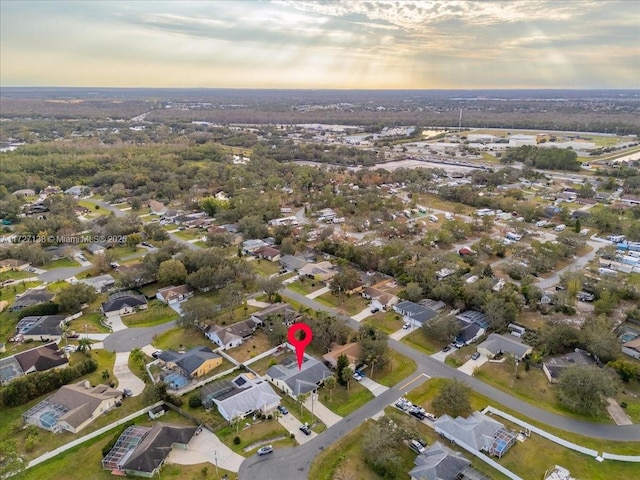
[598,338]
[231,297]
[626,370]
[501,312]
[347,375]
[287,247]
[453,399]
[413,292]
[71,298]
[577,227]
[382,445]
[106,375]
[341,363]
[374,349]
[196,311]
[172,272]
[84,345]
[585,389]
[344,281]
[301,398]
[133,240]
[11,462]
[442,328]
[330,384]
[270,286]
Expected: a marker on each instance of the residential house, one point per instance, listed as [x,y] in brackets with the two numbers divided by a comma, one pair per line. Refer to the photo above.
[101,283]
[244,395]
[350,350]
[294,381]
[414,313]
[42,327]
[632,348]
[439,462]
[171,295]
[73,407]
[321,271]
[477,431]
[76,190]
[30,298]
[554,366]
[13,264]
[157,208]
[37,359]
[282,311]
[473,325]
[379,298]
[504,344]
[292,263]
[96,249]
[124,303]
[142,451]
[232,335]
[137,272]
[630,200]
[195,363]
[268,253]
[250,246]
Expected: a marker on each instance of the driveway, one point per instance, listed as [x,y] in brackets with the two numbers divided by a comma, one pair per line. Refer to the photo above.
[292,425]
[577,264]
[441,356]
[401,333]
[358,317]
[206,447]
[319,292]
[125,377]
[373,387]
[470,366]
[114,320]
[319,410]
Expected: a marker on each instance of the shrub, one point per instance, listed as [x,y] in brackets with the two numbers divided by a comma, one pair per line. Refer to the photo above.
[236,440]
[195,401]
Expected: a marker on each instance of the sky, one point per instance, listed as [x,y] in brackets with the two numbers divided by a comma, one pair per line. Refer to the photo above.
[435,44]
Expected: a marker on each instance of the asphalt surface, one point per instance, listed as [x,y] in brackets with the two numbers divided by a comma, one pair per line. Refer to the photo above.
[130,338]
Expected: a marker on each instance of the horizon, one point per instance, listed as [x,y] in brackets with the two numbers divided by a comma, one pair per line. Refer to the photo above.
[302,45]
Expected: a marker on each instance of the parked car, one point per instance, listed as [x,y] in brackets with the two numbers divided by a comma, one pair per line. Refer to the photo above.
[406,326]
[127,392]
[357,377]
[70,348]
[264,450]
[447,348]
[283,410]
[156,354]
[305,429]
[416,446]
[375,310]
[430,416]
[360,372]
[475,356]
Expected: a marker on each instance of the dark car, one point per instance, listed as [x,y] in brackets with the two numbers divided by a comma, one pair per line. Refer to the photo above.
[447,348]
[475,356]
[156,354]
[283,410]
[560,288]
[305,429]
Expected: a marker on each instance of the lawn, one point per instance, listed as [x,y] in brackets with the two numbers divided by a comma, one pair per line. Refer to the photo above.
[265,267]
[388,322]
[419,341]
[399,368]
[254,345]
[189,234]
[174,337]
[306,417]
[342,401]
[61,263]
[432,201]
[305,287]
[423,395]
[15,275]
[240,312]
[349,304]
[531,386]
[157,314]
[258,433]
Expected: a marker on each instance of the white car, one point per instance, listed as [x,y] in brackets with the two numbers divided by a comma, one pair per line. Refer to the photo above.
[406,326]
[357,377]
[264,450]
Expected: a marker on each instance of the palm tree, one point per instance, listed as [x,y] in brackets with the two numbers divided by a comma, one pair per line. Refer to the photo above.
[302,397]
[330,383]
[105,375]
[84,345]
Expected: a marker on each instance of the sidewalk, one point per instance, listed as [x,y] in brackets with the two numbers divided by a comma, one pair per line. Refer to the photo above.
[323,413]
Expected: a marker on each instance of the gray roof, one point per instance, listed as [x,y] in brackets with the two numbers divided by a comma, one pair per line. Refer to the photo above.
[31,297]
[254,395]
[477,430]
[468,332]
[41,358]
[151,452]
[284,309]
[81,400]
[119,300]
[472,316]
[438,463]
[307,379]
[505,344]
[417,312]
[556,365]
[44,325]
[294,263]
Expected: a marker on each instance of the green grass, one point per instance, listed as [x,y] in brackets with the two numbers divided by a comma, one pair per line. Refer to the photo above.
[305,287]
[265,267]
[157,314]
[174,337]
[343,402]
[189,234]
[349,304]
[399,368]
[306,417]
[419,341]
[61,263]
[16,275]
[388,322]
[261,431]
[532,387]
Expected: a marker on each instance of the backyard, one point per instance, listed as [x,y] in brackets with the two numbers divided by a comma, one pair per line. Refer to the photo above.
[349,304]
[265,267]
[254,345]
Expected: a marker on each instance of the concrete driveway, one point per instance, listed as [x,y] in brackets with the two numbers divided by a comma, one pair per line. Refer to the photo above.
[373,387]
[206,447]
[292,425]
[318,292]
[319,410]
[125,377]
[358,317]
[441,356]
[470,365]
[114,320]
[401,333]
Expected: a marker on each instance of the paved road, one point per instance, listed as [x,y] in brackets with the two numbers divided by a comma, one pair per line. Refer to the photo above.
[127,340]
[577,264]
[61,273]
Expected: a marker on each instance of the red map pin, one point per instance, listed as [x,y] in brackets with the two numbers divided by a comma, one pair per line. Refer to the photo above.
[300,345]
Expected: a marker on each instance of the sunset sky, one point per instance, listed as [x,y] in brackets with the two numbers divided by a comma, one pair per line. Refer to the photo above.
[313,44]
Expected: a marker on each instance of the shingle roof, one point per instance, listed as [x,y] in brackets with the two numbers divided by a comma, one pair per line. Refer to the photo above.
[438,463]
[31,297]
[44,325]
[254,396]
[151,452]
[189,361]
[506,344]
[300,381]
[119,300]
[81,400]
[477,430]
[41,358]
